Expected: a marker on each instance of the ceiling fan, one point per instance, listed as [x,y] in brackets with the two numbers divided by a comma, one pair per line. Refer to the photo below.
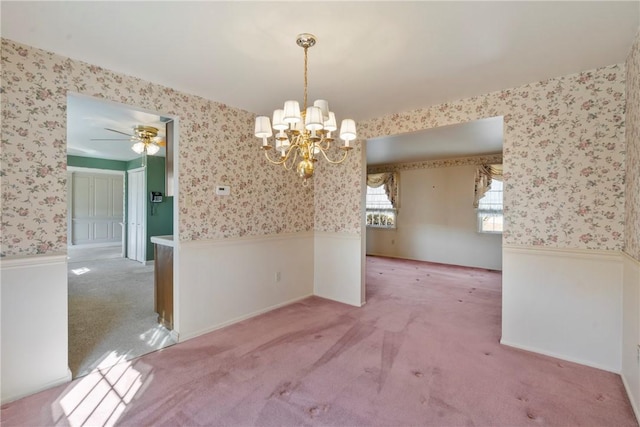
[145,138]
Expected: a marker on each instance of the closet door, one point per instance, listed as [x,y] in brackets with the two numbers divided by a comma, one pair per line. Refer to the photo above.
[136,216]
[96,208]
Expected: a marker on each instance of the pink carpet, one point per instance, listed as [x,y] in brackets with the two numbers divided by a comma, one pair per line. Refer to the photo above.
[423,351]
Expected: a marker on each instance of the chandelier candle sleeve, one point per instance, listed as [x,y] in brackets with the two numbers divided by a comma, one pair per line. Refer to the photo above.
[304,135]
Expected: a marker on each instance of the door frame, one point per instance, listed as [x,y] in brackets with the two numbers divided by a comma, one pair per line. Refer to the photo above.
[141,204]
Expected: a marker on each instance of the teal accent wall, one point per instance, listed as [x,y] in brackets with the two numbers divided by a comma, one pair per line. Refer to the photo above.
[93,163]
[159,215]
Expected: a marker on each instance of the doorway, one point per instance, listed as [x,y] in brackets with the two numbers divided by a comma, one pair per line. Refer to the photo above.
[112,314]
[435,210]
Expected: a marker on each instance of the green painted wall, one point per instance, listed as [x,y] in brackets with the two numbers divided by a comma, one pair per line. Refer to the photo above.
[159,215]
[90,162]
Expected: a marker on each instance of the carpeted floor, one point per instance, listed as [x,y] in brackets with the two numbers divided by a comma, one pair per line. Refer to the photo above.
[111,314]
[424,350]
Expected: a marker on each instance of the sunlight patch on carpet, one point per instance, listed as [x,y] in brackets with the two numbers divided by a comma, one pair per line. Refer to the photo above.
[101,397]
[79,271]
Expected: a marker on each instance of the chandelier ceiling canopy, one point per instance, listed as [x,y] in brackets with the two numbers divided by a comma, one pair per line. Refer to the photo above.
[305,134]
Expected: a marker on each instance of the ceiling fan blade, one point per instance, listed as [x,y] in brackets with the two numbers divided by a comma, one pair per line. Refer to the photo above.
[117,131]
[108,139]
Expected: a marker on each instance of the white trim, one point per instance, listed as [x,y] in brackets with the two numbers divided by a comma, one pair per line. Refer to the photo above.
[191,335]
[96,245]
[558,356]
[33,260]
[62,380]
[245,240]
[95,170]
[338,235]
[612,255]
[630,258]
[636,412]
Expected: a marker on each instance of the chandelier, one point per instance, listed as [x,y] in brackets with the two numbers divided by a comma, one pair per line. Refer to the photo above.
[303,135]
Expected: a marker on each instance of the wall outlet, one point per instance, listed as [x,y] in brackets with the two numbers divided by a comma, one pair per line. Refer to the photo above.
[278,276]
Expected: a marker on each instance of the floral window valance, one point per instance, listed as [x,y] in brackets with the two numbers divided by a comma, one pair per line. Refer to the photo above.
[390,182]
[484,175]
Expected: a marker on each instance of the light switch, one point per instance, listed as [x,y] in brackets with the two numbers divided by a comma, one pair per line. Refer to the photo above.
[223,190]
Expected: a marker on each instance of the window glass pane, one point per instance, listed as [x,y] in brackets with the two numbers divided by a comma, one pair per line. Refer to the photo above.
[490,218]
[377,198]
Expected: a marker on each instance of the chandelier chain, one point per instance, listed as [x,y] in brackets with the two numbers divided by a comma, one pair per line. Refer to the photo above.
[305,80]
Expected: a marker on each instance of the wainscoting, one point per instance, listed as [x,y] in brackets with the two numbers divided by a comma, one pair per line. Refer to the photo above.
[34,324]
[631,331]
[229,280]
[338,274]
[564,303]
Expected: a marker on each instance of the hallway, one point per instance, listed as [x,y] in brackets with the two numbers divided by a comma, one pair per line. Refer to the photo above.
[111,314]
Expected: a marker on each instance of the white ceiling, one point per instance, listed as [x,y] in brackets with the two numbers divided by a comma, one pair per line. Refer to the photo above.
[88,120]
[446,142]
[372,58]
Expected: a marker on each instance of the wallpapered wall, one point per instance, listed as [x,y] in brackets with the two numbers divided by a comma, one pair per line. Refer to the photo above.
[216,147]
[564,157]
[632,211]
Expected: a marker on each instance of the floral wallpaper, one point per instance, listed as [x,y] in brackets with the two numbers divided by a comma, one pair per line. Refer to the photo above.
[216,147]
[430,164]
[632,211]
[338,193]
[564,158]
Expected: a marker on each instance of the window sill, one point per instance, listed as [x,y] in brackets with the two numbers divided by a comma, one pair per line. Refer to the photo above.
[381,227]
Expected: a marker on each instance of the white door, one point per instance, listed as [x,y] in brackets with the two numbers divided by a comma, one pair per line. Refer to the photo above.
[96,208]
[136,218]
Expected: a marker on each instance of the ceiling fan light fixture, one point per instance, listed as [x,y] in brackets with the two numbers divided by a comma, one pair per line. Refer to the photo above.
[138,147]
[152,149]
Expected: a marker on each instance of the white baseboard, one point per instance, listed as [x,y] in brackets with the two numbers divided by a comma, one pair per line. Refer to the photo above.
[634,405]
[59,381]
[238,319]
[558,356]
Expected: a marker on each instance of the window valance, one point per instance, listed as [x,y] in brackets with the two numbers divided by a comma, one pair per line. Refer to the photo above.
[484,175]
[390,182]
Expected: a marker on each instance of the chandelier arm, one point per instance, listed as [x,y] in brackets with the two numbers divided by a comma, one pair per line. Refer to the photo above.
[334,162]
[274,162]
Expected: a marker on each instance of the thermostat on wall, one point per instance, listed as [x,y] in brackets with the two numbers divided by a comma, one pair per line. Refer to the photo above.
[223,190]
